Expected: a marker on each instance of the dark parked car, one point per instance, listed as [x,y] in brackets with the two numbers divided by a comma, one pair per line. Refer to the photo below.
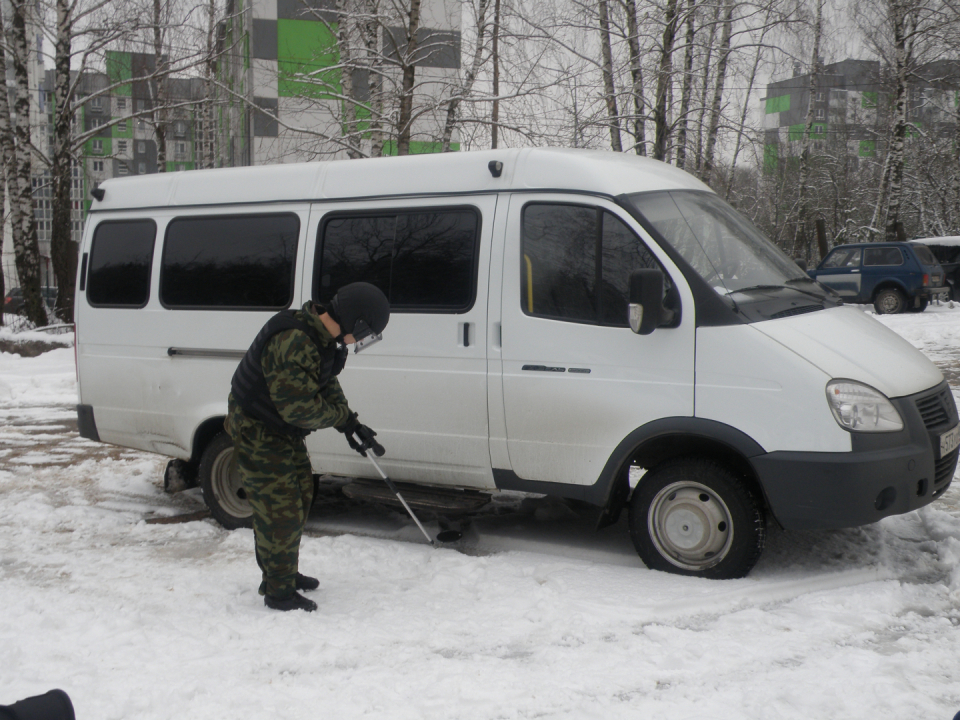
[13,302]
[947,252]
[893,276]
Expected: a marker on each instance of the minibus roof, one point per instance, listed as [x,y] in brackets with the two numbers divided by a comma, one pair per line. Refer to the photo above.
[565,170]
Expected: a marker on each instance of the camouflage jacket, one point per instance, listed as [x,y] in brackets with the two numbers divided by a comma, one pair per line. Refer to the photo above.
[291,366]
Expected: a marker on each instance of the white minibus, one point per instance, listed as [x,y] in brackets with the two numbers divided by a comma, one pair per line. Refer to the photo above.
[589,325]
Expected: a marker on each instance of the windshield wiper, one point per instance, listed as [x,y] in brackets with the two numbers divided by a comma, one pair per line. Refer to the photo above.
[781,287]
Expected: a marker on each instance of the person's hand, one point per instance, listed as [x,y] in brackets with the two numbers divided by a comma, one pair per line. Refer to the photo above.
[350,426]
[367,436]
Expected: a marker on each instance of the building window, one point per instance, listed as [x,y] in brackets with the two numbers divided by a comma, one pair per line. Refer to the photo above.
[122,169]
[122,147]
[122,126]
[139,123]
[179,166]
[141,147]
[181,148]
[179,128]
[98,146]
[820,114]
[98,165]
[142,168]
[121,103]
[96,104]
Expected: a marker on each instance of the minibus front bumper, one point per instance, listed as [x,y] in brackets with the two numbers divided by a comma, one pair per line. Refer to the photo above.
[884,474]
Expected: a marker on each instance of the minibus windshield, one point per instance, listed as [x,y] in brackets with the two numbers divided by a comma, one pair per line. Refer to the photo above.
[725,248]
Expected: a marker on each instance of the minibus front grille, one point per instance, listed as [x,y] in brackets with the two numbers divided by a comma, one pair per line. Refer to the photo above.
[943,471]
[803,309]
[935,408]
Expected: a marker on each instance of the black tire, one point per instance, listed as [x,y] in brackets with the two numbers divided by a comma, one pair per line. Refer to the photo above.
[920,306]
[222,489]
[693,516]
[890,301]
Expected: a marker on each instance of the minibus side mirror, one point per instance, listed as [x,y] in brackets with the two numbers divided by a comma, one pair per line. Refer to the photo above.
[801,263]
[646,300]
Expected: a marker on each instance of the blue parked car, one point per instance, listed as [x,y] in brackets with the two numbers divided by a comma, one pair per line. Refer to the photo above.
[893,276]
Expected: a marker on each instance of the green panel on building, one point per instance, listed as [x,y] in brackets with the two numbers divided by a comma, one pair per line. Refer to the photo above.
[778,104]
[306,46]
[795,132]
[868,148]
[418,148]
[869,99]
[771,157]
[120,68]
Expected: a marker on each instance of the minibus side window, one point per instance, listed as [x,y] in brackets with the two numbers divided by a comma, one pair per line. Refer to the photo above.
[120,260]
[576,264]
[423,260]
[230,262]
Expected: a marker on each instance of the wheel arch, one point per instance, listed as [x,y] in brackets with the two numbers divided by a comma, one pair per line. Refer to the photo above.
[648,446]
[203,435]
[668,438]
[889,284]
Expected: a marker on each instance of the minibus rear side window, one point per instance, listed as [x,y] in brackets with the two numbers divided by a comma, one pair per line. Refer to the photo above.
[230,262]
[576,264]
[423,260]
[121,257]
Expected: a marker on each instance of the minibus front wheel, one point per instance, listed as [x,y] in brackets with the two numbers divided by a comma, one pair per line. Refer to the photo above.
[222,488]
[693,516]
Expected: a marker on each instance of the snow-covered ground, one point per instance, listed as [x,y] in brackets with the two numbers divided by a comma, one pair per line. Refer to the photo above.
[533,616]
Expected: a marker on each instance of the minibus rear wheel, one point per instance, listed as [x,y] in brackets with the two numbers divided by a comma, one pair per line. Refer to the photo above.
[693,516]
[222,489]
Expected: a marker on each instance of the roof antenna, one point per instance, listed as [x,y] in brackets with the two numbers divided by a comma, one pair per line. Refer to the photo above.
[98,192]
[496,168]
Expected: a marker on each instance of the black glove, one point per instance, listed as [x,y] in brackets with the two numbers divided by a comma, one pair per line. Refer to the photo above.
[350,426]
[367,436]
[360,437]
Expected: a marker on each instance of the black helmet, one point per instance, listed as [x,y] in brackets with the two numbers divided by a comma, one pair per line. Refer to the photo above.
[360,302]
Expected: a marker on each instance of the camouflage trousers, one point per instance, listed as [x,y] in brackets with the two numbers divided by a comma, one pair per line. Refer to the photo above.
[278,480]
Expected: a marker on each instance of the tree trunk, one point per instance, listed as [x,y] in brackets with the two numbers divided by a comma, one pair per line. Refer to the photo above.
[370,29]
[636,77]
[717,105]
[609,91]
[495,111]
[471,76]
[8,155]
[705,88]
[345,45]
[687,90]
[803,210]
[903,57]
[664,80]
[408,63]
[25,244]
[159,111]
[63,250]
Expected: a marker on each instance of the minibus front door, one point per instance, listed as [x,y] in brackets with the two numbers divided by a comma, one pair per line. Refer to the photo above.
[575,379]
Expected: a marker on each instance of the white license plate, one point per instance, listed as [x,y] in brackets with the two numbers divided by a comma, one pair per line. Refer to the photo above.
[949,441]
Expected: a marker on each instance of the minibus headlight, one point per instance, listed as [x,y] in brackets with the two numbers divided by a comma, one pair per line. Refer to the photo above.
[860,408]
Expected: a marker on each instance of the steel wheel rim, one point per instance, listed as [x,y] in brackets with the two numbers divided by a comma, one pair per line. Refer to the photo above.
[228,487]
[690,525]
[889,303]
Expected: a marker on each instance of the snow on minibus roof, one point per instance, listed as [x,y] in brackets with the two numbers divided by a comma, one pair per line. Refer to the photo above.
[592,171]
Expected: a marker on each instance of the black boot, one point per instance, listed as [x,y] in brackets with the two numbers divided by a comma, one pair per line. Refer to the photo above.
[294,602]
[305,582]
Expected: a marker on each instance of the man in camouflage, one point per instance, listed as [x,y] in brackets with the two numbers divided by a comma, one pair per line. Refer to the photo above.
[284,388]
